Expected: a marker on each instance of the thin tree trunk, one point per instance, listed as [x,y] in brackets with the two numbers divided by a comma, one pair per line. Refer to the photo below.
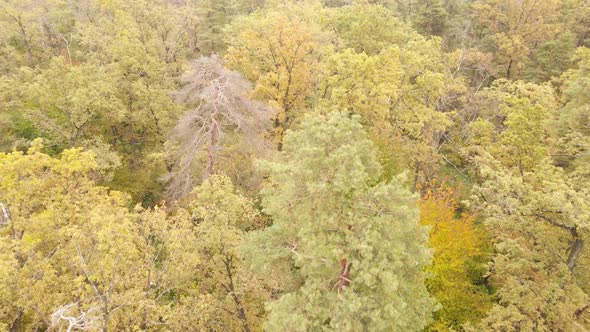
[231,288]
[14,327]
[509,69]
[575,250]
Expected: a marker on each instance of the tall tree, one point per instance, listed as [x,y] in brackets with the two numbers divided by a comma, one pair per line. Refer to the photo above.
[365,28]
[573,122]
[404,95]
[220,111]
[65,101]
[430,17]
[346,252]
[106,268]
[70,239]
[538,220]
[278,50]
[513,30]
[534,210]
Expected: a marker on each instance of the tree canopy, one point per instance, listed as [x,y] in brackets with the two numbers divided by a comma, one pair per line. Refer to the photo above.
[294,165]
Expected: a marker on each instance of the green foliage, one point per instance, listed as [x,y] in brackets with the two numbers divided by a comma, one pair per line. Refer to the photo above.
[512,30]
[515,129]
[401,94]
[430,17]
[490,95]
[538,220]
[65,101]
[536,213]
[350,247]
[574,119]
[365,28]
[62,220]
[235,297]
[552,58]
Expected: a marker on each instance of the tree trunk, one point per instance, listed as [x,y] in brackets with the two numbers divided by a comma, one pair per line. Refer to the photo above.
[14,327]
[575,250]
[231,288]
[509,69]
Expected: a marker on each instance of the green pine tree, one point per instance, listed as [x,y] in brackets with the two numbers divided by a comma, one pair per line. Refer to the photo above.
[345,251]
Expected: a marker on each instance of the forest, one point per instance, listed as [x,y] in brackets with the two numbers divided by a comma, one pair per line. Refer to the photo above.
[295,165]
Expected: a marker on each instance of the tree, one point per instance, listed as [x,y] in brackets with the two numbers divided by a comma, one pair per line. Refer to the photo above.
[365,28]
[458,267]
[552,58]
[512,124]
[534,211]
[345,251]
[213,16]
[278,50]
[105,267]
[64,101]
[235,297]
[513,30]
[144,46]
[69,238]
[575,17]
[573,121]
[404,95]
[430,17]
[538,223]
[36,30]
[220,108]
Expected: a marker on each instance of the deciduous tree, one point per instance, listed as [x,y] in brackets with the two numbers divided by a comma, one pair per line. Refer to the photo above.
[278,50]
[458,265]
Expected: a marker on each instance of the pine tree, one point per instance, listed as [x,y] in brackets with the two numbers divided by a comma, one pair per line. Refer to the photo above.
[345,251]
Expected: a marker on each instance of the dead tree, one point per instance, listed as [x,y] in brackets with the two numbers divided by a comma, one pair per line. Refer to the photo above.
[218,107]
[85,321]
[4,214]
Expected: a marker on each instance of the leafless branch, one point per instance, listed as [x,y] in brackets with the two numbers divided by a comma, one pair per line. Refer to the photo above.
[85,321]
[219,107]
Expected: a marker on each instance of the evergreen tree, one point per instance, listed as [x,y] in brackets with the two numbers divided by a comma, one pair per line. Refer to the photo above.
[346,252]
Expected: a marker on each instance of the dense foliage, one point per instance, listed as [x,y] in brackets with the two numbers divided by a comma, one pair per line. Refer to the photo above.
[294,165]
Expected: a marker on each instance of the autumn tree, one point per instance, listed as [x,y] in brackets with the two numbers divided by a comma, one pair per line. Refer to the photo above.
[65,101]
[512,124]
[69,239]
[538,222]
[365,28]
[430,17]
[404,95]
[552,58]
[573,121]
[232,295]
[458,264]
[513,30]
[534,211]
[35,31]
[575,17]
[212,16]
[106,267]
[278,50]
[344,251]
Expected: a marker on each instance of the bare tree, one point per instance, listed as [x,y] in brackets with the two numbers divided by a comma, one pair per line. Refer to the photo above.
[86,321]
[219,107]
